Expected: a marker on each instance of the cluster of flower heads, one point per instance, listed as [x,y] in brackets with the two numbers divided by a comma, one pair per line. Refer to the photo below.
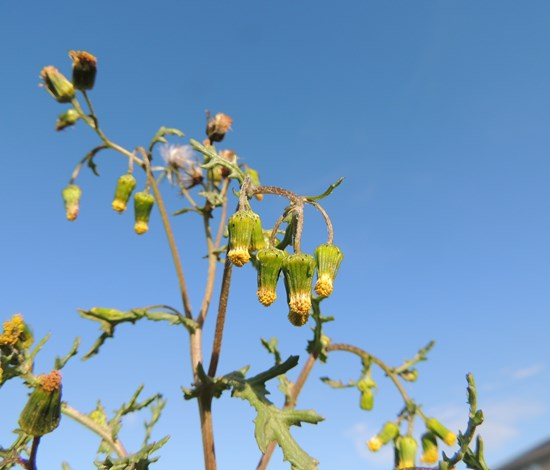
[405,446]
[246,236]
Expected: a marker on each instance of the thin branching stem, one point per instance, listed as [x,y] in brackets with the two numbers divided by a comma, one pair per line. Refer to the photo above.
[101,431]
[330,228]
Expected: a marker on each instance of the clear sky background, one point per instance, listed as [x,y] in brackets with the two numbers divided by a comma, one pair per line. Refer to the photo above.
[436,112]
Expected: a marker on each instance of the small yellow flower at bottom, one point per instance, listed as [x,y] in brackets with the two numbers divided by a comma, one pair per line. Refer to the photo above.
[143,204]
[239,256]
[389,431]
[266,296]
[141,227]
[71,197]
[429,449]
[298,319]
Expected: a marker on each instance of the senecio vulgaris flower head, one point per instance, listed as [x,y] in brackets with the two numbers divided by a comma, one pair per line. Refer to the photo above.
[42,412]
[448,437]
[180,158]
[245,235]
[429,449]
[218,126]
[71,197]
[269,262]
[84,69]
[298,272]
[405,451]
[389,431]
[124,188]
[143,204]
[16,333]
[328,258]
[57,85]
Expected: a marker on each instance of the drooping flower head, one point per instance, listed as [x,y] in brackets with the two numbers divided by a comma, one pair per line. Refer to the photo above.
[298,270]
[269,265]
[245,235]
[143,204]
[405,452]
[389,431]
[448,437]
[124,188]
[328,258]
[429,449]
[71,198]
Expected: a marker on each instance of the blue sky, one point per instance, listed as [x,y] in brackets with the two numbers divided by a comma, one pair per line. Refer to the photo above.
[437,114]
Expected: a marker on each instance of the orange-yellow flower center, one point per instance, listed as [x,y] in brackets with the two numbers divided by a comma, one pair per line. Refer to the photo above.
[266,296]
[141,227]
[239,256]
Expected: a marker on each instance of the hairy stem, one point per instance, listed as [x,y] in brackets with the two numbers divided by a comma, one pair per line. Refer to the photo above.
[101,431]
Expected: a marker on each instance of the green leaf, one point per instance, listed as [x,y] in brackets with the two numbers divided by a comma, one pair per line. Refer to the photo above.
[328,192]
[60,362]
[272,423]
[109,318]
[212,159]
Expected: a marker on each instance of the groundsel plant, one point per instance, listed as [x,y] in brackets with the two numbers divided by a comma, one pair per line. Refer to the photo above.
[214,183]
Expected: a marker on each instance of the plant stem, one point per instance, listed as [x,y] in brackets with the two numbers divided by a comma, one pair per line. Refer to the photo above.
[101,431]
[220,320]
[31,464]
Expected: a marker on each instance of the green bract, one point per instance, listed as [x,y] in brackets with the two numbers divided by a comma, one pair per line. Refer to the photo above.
[298,270]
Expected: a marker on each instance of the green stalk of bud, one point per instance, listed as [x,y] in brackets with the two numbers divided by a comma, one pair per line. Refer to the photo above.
[269,265]
[57,85]
[441,431]
[67,119]
[71,197]
[84,69]
[405,452]
[124,188]
[143,204]
[298,272]
[430,454]
[245,235]
[42,412]
[389,431]
[329,258]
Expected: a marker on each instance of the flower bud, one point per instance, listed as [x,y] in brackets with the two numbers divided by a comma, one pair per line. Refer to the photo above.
[57,85]
[125,186]
[245,234]
[366,386]
[269,265]
[389,431]
[328,259]
[430,455]
[143,204]
[16,333]
[410,375]
[71,198]
[441,431]
[42,412]
[68,118]
[84,69]
[218,126]
[405,452]
[298,270]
